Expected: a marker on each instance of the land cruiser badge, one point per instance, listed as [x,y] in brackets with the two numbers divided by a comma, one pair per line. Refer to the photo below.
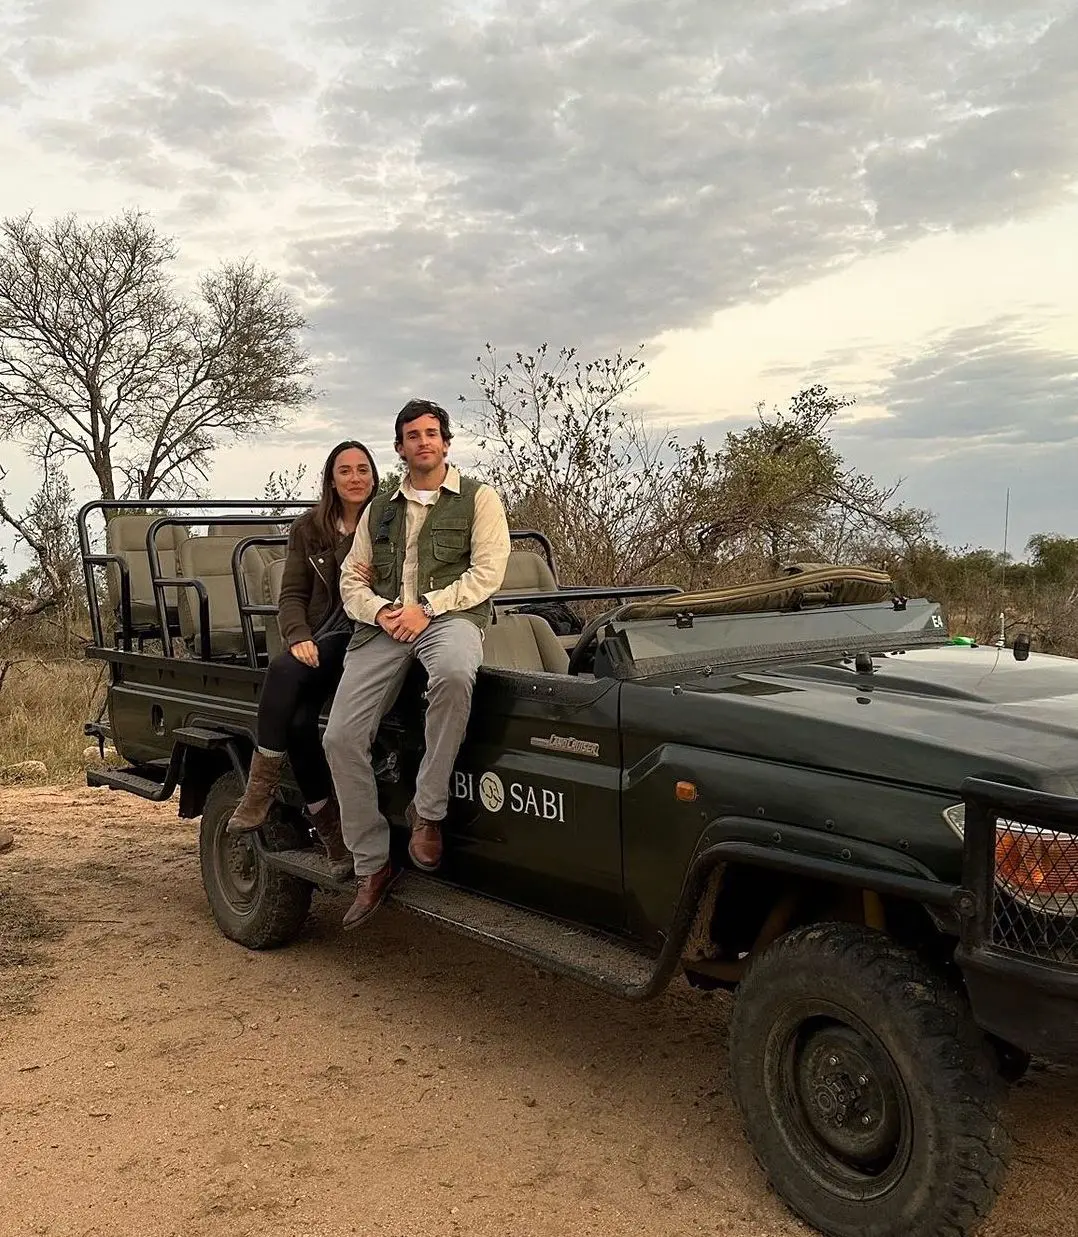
[568,747]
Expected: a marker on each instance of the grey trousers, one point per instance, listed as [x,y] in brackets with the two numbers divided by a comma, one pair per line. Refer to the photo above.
[451,651]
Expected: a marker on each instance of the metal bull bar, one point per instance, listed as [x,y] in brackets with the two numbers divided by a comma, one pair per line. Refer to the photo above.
[1020,864]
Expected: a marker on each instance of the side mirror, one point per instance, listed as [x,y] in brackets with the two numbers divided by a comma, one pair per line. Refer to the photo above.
[1020,648]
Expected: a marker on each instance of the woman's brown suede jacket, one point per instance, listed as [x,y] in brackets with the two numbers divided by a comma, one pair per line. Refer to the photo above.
[310,586]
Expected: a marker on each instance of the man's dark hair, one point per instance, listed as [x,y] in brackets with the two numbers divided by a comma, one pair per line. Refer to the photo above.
[413,410]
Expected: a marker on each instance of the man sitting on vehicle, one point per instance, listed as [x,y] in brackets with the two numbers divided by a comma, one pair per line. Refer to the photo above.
[438,549]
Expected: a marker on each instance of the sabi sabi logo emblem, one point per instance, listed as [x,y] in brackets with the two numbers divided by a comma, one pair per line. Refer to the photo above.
[519,798]
[492,792]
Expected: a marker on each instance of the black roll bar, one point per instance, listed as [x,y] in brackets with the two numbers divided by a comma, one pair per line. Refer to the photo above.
[533,534]
[288,509]
[127,623]
[160,583]
[248,608]
[285,511]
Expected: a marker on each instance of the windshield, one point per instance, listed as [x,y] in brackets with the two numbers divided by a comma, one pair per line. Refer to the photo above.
[636,648]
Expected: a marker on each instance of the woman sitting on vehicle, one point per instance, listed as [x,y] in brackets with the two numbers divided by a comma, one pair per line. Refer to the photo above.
[299,680]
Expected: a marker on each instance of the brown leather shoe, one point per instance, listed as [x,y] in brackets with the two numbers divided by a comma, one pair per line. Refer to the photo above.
[327,824]
[425,844]
[250,813]
[370,895]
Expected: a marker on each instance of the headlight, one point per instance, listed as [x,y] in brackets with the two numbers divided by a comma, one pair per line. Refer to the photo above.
[1037,866]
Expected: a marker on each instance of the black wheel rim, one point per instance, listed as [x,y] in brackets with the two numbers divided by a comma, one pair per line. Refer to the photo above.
[236,868]
[840,1101]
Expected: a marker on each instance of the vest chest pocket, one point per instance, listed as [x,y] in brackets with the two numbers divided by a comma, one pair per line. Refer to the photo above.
[383,555]
[449,544]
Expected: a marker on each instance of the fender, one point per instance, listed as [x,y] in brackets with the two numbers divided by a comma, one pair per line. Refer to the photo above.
[802,852]
[806,852]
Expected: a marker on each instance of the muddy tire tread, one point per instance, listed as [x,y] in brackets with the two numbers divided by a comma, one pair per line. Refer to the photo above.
[948,1039]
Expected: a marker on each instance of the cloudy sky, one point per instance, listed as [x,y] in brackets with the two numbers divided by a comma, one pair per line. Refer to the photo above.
[878,195]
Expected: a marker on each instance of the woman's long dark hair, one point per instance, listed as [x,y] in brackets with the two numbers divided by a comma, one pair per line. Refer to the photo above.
[328,511]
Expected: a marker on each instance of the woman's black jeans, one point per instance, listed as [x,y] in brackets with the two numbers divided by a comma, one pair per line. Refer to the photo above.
[288,709]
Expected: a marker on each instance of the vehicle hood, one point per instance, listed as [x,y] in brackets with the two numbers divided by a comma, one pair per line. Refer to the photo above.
[929,717]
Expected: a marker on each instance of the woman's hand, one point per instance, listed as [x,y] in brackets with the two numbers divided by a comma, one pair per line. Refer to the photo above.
[305,651]
[361,571]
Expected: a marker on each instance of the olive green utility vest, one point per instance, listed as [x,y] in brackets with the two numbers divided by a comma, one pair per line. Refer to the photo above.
[444,549]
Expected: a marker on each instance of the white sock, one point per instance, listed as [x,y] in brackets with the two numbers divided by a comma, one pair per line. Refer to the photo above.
[315,808]
[268,751]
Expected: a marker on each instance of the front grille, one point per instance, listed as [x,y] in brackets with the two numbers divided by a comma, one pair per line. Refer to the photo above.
[1035,900]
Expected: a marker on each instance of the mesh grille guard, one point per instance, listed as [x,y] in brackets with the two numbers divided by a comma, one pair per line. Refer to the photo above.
[1020,865]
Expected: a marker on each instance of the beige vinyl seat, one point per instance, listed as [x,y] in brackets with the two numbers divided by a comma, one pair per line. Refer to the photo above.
[268,553]
[271,596]
[125,535]
[209,559]
[528,572]
[523,642]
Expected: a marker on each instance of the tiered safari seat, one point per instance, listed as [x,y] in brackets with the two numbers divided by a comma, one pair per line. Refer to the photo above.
[271,596]
[528,572]
[209,559]
[125,535]
[523,642]
[269,553]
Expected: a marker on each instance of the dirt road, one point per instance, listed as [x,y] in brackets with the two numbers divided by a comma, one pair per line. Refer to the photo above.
[156,1079]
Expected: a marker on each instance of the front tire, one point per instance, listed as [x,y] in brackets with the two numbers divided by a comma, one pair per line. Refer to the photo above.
[869,1096]
[252,903]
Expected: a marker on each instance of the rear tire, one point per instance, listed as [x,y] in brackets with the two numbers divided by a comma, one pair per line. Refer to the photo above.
[253,904]
[868,1094]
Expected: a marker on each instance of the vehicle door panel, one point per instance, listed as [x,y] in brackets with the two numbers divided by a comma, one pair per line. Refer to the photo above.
[534,813]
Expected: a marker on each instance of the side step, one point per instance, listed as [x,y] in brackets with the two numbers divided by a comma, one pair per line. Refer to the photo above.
[590,957]
[553,945]
[133,781]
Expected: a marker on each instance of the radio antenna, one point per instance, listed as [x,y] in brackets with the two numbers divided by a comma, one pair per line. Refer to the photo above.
[1003,571]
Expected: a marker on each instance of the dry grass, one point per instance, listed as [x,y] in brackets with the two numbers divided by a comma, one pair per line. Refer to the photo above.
[43,705]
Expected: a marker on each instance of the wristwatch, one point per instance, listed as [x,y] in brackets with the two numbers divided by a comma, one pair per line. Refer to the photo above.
[426,607]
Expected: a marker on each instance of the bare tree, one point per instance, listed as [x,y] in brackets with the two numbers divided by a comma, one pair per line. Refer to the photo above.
[569,458]
[102,359]
[47,585]
[624,502]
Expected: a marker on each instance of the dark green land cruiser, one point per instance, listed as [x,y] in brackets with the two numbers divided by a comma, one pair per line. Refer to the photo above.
[799,791]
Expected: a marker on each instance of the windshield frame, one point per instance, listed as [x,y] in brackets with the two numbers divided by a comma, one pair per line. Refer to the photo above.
[918,624]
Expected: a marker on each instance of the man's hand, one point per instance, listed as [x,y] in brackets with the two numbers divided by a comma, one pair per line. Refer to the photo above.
[305,651]
[409,623]
[386,618]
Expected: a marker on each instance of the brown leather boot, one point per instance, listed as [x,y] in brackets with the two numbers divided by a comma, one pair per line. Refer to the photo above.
[425,844]
[327,824]
[262,781]
[370,895]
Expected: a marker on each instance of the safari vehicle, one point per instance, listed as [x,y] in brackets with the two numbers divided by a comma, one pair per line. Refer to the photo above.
[797,790]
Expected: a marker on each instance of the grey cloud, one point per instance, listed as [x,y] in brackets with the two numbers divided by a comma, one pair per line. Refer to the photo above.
[10,86]
[992,383]
[597,171]
[227,60]
[125,153]
[49,18]
[967,488]
[206,96]
[603,172]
